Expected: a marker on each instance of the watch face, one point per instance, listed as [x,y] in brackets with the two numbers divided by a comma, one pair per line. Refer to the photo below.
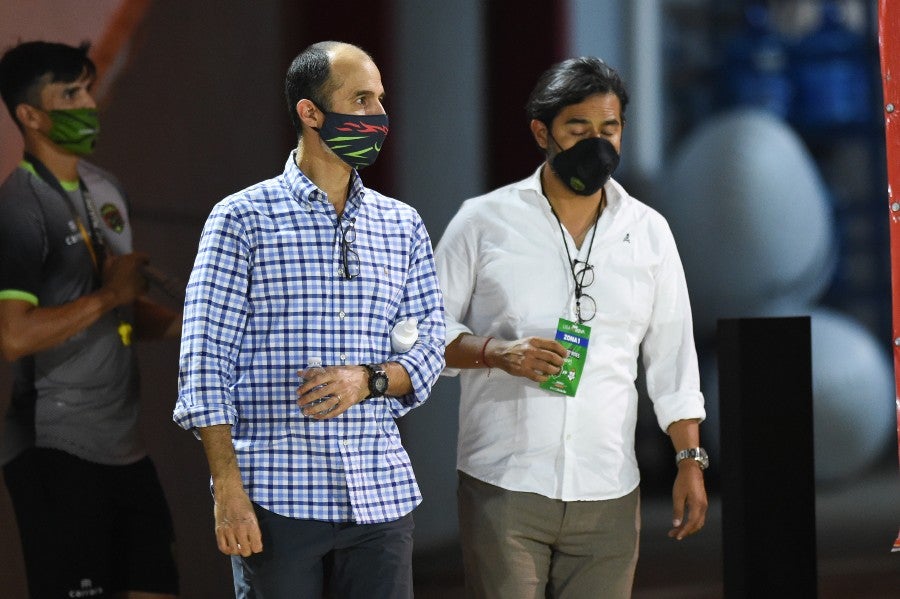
[704,460]
[378,381]
[701,456]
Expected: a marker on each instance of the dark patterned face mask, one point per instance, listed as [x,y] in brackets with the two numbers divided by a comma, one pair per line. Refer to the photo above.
[586,166]
[355,138]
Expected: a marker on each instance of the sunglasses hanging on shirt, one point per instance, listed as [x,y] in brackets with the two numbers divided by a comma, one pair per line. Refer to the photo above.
[582,273]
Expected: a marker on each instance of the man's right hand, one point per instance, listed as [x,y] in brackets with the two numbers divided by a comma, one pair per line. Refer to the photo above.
[124,278]
[534,358]
[237,530]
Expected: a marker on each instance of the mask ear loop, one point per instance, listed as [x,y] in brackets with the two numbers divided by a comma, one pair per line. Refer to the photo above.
[559,150]
[324,112]
[556,143]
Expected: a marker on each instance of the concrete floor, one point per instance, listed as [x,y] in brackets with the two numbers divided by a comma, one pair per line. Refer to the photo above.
[856,524]
[856,527]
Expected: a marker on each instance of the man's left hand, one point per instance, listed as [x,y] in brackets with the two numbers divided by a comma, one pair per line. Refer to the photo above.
[689,501]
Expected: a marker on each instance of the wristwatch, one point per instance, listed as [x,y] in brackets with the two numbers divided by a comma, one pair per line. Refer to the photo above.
[694,453]
[378,380]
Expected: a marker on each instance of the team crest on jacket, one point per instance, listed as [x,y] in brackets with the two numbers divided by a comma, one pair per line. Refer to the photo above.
[112,217]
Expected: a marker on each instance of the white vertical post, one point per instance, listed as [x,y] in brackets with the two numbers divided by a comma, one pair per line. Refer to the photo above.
[645,131]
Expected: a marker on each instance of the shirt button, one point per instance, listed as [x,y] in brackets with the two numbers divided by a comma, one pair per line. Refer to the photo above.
[346,443]
[342,314]
[343,357]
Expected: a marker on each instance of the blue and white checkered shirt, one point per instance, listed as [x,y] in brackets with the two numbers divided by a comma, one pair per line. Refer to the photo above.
[266,294]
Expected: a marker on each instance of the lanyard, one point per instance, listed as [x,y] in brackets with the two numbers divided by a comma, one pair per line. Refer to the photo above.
[578,289]
[93,241]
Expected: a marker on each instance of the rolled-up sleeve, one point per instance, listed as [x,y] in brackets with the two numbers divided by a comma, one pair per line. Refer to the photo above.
[215,315]
[669,354]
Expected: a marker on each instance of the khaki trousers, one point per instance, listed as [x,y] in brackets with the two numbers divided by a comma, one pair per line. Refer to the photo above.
[526,546]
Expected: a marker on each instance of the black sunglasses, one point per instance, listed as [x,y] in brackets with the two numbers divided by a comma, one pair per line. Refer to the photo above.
[349,257]
[585,306]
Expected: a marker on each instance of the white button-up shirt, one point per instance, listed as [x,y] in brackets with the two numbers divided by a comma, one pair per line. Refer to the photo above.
[504,273]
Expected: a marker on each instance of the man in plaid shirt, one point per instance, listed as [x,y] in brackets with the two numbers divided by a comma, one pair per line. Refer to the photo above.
[312,486]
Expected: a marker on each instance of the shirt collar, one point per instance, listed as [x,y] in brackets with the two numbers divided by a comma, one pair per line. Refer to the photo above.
[307,193]
[66,185]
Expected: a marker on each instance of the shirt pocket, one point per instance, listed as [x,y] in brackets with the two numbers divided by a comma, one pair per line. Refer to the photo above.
[624,290]
[384,270]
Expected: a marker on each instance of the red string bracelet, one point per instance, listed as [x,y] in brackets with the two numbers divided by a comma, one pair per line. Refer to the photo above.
[483,357]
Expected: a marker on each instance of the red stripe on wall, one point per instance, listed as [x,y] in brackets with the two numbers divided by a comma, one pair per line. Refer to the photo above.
[889,43]
[110,52]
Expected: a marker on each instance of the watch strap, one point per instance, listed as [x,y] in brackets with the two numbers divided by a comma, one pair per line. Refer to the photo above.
[694,453]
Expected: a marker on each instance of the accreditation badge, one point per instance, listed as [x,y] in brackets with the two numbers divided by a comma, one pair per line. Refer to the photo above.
[574,337]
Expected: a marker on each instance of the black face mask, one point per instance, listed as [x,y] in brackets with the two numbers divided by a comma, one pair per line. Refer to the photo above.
[355,138]
[586,166]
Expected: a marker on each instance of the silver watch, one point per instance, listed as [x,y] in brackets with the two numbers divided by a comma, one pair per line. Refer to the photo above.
[694,453]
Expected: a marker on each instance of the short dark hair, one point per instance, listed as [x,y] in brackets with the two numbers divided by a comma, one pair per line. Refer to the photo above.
[309,77]
[24,67]
[570,82]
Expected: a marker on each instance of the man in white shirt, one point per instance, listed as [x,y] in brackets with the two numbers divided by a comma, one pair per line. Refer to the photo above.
[565,273]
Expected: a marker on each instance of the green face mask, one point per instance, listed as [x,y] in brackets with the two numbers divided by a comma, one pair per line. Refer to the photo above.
[75,129]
